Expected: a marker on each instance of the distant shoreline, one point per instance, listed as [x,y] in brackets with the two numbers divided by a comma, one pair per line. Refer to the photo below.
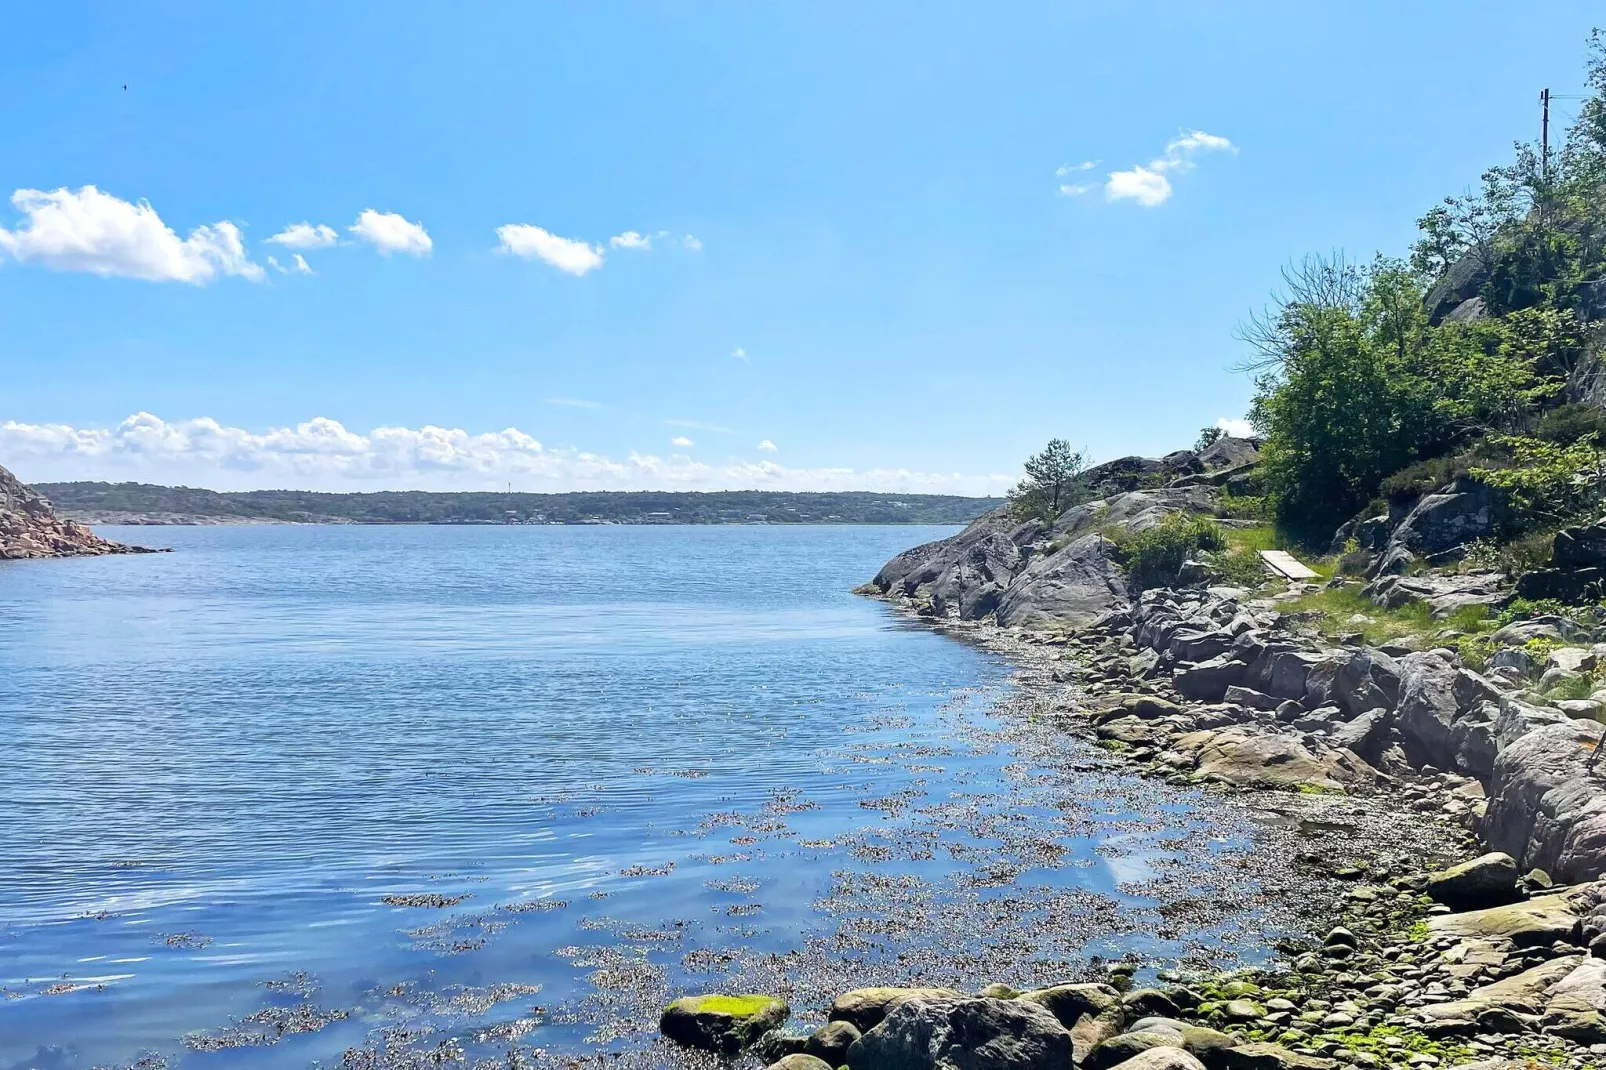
[101,518]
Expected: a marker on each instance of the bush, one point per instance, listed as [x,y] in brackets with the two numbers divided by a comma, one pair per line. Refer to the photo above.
[1423,477]
[1566,424]
[1153,557]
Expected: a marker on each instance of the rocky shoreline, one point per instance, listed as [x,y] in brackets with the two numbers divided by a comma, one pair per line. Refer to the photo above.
[1499,961]
[29,528]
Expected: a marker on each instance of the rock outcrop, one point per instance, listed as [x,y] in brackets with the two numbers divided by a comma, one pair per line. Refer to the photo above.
[1062,574]
[30,528]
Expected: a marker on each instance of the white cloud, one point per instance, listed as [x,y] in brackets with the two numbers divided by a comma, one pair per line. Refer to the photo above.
[694,244]
[1236,428]
[532,242]
[1076,189]
[307,236]
[767,446]
[301,264]
[1070,169]
[1147,183]
[276,266]
[321,454]
[681,440]
[740,354]
[1148,188]
[630,240]
[90,231]
[390,233]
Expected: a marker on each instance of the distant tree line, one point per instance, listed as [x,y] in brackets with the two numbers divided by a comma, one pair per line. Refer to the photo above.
[491,507]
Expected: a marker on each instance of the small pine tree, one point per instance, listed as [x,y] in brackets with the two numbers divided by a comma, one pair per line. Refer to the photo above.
[1053,482]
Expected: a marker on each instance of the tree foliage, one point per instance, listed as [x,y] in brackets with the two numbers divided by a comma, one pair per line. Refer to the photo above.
[1053,482]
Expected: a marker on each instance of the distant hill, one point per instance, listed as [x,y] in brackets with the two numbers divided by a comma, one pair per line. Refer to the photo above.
[144,503]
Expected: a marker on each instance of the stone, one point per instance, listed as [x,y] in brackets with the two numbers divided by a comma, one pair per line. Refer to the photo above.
[1463,511]
[1521,993]
[1117,1050]
[1208,681]
[831,1042]
[967,1033]
[1427,709]
[1206,1044]
[1242,1010]
[1487,881]
[1539,922]
[1444,593]
[864,1008]
[1545,809]
[1580,547]
[1253,757]
[1148,1002]
[1091,1012]
[799,1061]
[1263,1056]
[721,1023]
[1162,1059]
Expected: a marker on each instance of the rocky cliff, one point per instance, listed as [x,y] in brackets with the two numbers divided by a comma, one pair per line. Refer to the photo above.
[30,528]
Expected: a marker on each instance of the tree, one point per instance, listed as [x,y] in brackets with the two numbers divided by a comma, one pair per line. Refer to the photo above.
[1207,438]
[1053,482]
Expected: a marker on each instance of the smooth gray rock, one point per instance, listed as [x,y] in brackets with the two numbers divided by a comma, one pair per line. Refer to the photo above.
[1072,587]
[1427,709]
[964,1034]
[1545,808]
[1487,881]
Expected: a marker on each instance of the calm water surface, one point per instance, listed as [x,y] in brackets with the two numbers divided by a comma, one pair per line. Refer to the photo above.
[266,798]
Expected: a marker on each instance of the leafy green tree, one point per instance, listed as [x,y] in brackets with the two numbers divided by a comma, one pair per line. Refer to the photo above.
[1053,482]
[1208,437]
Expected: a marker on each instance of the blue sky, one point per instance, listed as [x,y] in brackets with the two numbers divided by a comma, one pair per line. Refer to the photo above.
[859,249]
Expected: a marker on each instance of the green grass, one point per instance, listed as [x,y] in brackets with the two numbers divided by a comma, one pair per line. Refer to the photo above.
[1252,540]
[1343,610]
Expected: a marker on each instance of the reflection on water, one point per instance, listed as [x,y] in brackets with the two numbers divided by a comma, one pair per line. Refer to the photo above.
[290,791]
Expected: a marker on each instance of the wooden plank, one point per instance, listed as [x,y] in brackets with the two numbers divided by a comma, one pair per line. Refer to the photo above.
[1285,565]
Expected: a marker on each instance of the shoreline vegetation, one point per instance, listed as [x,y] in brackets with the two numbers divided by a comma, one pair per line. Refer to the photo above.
[144,503]
[1430,436]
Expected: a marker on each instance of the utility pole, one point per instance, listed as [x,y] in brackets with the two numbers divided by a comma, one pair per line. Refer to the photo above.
[1544,135]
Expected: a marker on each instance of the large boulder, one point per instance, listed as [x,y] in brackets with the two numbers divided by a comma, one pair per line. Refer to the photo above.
[1121,1050]
[1208,681]
[1525,993]
[1486,881]
[1229,452]
[1547,807]
[1539,922]
[1264,1056]
[1444,593]
[831,1042]
[1253,757]
[1091,1012]
[964,1034]
[864,1008]
[1463,511]
[721,1023]
[1427,710]
[1072,587]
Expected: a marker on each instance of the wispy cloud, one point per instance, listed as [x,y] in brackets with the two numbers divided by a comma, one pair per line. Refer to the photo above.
[739,353]
[391,233]
[681,440]
[305,236]
[322,454]
[1147,184]
[94,232]
[631,240]
[1072,168]
[767,446]
[531,242]
[574,403]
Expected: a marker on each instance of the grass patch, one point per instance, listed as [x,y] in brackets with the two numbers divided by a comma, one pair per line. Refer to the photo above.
[1345,610]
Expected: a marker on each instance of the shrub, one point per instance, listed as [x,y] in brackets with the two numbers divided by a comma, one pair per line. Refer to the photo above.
[1566,424]
[1423,477]
[1153,557]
